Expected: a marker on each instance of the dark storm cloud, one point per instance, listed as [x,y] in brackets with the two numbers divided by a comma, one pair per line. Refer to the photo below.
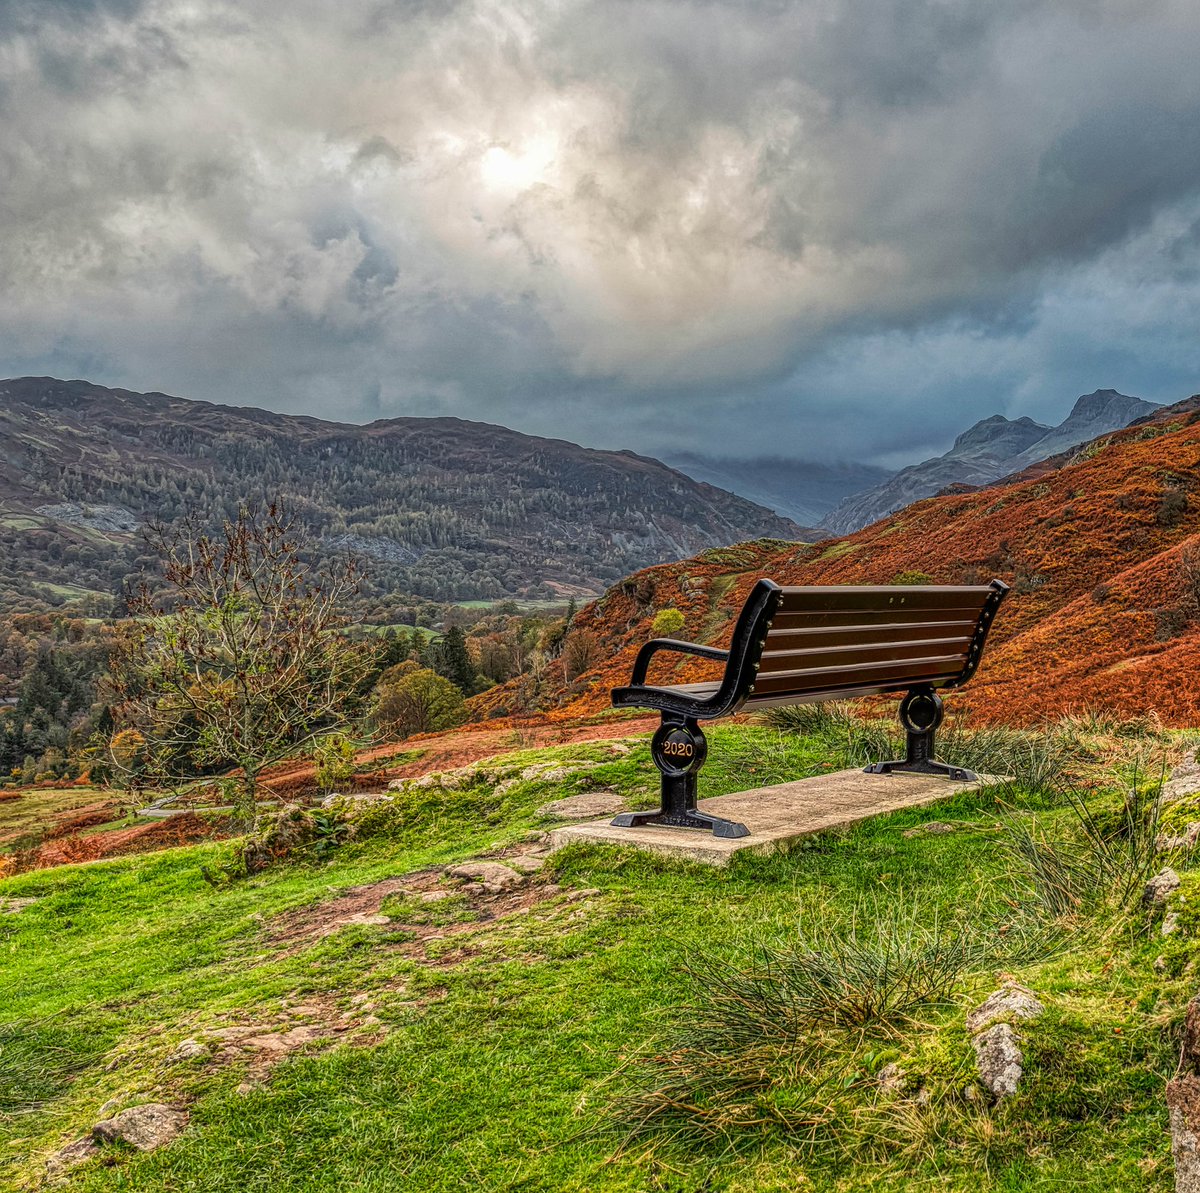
[660,224]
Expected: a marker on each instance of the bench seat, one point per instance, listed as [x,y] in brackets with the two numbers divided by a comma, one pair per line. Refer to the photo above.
[799,645]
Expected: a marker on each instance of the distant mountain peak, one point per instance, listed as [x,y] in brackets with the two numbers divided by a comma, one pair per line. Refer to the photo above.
[994,447]
[997,426]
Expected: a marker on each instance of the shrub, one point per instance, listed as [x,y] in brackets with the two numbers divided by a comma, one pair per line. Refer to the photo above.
[1102,859]
[420,701]
[667,622]
[334,758]
[912,577]
[1172,507]
[580,653]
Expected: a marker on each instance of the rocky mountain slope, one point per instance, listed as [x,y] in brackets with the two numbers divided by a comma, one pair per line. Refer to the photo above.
[1102,552]
[442,508]
[804,490]
[992,448]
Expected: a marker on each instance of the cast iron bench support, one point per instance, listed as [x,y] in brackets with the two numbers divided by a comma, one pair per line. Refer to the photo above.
[805,645]
[679,749]
[921,713]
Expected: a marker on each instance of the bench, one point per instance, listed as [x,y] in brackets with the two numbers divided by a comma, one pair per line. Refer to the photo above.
[804,645]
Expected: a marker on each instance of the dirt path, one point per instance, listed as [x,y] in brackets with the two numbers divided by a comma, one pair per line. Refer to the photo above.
[458,747]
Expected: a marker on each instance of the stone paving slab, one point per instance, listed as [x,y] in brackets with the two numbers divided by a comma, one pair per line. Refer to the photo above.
[780,815]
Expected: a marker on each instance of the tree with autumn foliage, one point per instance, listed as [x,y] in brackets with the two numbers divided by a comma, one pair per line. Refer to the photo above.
[240,661]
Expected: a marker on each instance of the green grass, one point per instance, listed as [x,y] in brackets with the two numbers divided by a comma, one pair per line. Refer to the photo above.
[35,807]
[502,1067]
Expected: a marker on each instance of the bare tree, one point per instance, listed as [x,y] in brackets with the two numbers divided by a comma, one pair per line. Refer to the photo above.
[240,661]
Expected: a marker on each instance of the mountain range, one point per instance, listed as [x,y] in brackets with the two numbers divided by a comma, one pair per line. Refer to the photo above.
[993,448]
[442,509]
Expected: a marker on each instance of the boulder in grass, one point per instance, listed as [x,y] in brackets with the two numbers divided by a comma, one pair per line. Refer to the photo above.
[491,876]
[1011,1001]
[1164,884]
[145,1127]
[585,806]
[999,1059]
[71,1156]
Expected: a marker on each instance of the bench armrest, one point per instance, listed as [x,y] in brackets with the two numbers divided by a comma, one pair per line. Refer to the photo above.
[642,662]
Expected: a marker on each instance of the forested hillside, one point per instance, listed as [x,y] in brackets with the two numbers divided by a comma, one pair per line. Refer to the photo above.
[443,509]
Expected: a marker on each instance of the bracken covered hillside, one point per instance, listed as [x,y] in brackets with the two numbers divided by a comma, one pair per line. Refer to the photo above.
[1102,551]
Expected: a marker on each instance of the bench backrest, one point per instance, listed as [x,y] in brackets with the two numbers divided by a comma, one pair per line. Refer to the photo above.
[817,643]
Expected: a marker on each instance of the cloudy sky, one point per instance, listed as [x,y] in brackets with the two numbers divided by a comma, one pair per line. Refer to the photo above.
[823,228]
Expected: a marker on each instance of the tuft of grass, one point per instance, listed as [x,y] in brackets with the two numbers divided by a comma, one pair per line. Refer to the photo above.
[1096,859]
[787,1039]
[1035,760]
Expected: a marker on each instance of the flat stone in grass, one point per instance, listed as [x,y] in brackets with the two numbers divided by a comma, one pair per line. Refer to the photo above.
[145,1127]
[585,806]
[71,1156]
[492,876]
[778,816]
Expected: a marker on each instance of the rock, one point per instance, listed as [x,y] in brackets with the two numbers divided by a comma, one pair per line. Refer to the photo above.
[998,1059]
[526,864]
[619,748]
[71,1156]
[1011,1001]
[934,827]
[13,905]
[491,874]
[584,807]
[1170,924]
[587,892]
[891,1079]
[1162,885]
[434,896]
[506,786]
[552,772]
[358,797]
[1183,1106]
[1184,780]
[1186,840]
[145,1127]
[189,1050]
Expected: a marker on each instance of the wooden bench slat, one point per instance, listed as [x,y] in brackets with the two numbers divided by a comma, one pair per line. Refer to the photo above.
[819,618]
[885,631]
[859,654]
[886,596]
[925,670]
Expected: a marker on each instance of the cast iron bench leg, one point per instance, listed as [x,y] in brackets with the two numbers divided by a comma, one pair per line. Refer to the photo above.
[921,714]
[679,749]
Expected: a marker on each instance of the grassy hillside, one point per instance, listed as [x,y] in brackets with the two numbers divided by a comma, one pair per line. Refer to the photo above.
[517,1039]
[1100,549]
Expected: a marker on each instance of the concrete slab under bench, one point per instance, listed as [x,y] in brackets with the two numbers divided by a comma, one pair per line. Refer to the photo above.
[779,815]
